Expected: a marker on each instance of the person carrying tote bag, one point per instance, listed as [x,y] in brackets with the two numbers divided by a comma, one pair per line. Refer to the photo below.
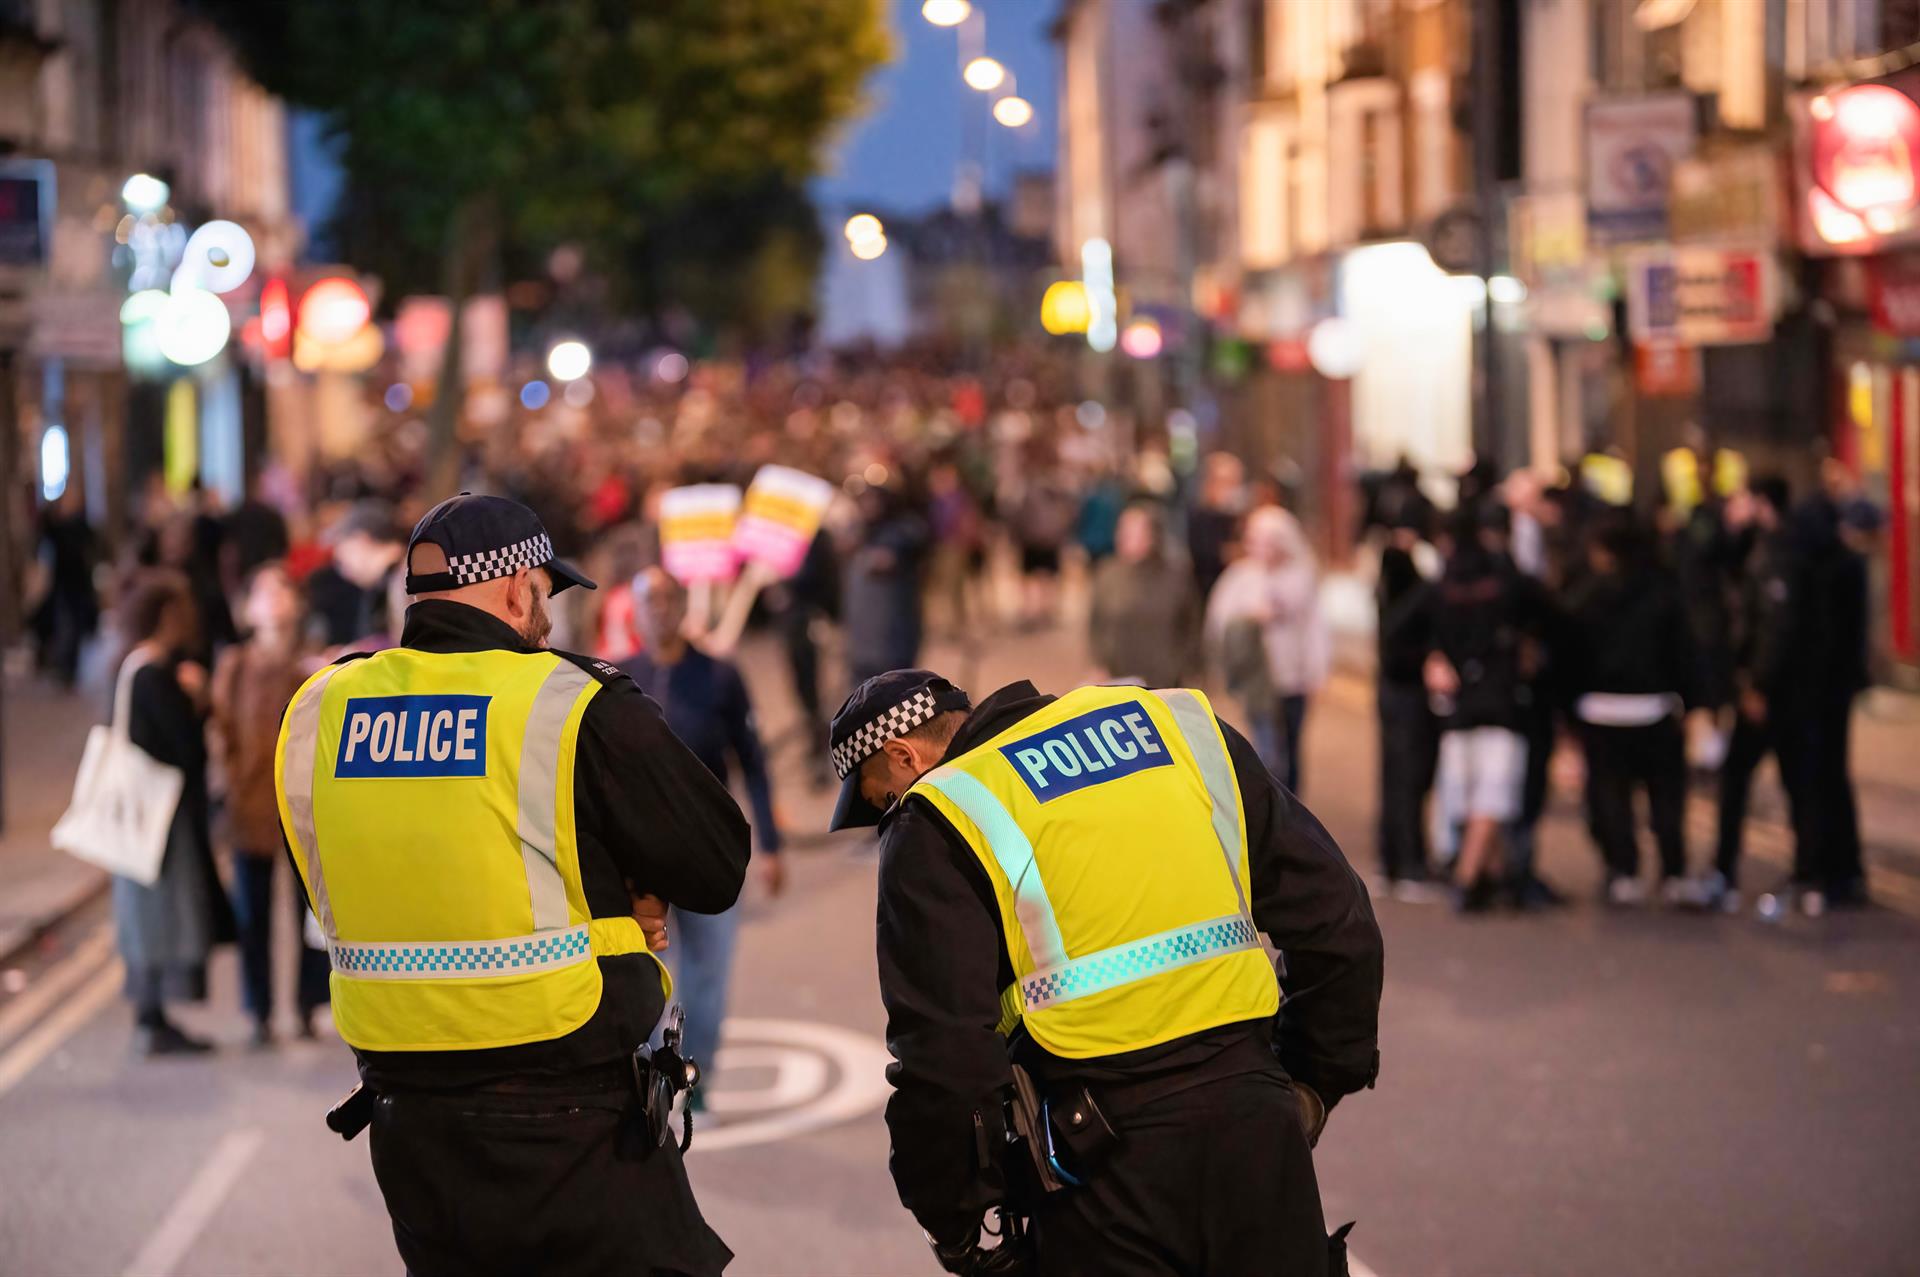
[123,798]
[167,927]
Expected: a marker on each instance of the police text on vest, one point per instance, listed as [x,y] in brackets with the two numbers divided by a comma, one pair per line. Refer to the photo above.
[1089,749]
[413,737]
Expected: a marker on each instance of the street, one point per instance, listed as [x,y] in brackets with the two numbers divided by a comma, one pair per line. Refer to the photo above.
[1575,1092]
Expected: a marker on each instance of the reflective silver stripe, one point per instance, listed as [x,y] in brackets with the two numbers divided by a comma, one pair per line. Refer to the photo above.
[539,792]
[1138,960]
[461,959]
[296,781]
[1014,854]
[1223,793]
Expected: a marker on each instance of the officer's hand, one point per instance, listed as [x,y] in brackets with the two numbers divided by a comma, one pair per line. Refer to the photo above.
[1313,1113]
[651,913]
[773,873]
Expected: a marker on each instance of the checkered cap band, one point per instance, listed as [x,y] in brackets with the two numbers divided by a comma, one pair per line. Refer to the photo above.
[894,723]
[471,569]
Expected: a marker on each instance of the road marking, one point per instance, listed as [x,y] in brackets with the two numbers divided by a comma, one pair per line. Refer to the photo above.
[856,1083]
[169,1243]
[48,1036]
[55,983]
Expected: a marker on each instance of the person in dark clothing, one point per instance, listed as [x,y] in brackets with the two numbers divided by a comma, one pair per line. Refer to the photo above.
[70,612]
[1758,637]
[167,929]
[1485,623]
[1632,673]
[796,603]
[1827,662]
[1409,737]
[882,603]
[532,1157]
[1213,525]
[255,534]
[706,705]
[1212,1173]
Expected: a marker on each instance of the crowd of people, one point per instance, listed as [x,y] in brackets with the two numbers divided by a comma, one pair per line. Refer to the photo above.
[1527,614]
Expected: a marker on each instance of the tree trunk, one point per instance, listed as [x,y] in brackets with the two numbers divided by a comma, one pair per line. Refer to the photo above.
[469,242]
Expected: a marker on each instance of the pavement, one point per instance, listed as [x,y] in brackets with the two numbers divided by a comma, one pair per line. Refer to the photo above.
[45,732]
[1579,1092]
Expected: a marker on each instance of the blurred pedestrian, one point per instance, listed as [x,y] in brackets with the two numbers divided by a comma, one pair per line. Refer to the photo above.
[1213,525]
[882,608]
[1483,618]
[167,930]
[1758,637]
[959,536]
[1043,521]
[1409,735]
[798,604]
[1275,590]
[1143,624]
[1633,672]
[69,613]
[705,703]
[253,681]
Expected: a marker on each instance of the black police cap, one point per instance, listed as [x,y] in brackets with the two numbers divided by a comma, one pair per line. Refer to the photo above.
[885,707]
[486,537]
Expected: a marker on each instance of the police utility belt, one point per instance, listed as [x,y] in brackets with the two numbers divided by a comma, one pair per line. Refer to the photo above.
[657,1075]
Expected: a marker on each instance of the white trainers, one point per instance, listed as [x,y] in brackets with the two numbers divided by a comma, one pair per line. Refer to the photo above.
[1623,892]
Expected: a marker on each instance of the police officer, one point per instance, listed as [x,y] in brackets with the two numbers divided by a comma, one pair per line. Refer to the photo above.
[482,826]
[1076,886]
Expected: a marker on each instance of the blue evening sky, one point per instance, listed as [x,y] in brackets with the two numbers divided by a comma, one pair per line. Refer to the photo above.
[901,154]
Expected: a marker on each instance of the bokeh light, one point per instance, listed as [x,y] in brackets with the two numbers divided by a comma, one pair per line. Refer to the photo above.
[671,367]
[145,193]
[946,13]
[193,326]
[534,395]
[985,74]
[578,394]
[333,310]
[1013,111]
[1141,339]
[868,249]
[863,226]
[399,397]
[569,360]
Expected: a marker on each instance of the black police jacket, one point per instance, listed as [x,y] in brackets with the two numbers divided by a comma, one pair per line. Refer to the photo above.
[646,812]
[943,964]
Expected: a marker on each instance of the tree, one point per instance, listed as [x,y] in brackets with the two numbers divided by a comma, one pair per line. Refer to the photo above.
[469,125]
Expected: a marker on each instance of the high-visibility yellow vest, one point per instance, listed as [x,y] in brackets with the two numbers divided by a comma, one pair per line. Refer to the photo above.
[428,800]
[1111,827]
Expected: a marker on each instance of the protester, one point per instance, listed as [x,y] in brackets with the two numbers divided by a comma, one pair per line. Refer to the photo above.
[166,931]
[252,683]
[1144,622]
[706,705]
[1274,592]
[1633,672]
[1409,736]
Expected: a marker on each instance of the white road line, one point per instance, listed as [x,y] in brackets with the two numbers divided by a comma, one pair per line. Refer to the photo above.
[59,980]
[169,1243]
[50,1033]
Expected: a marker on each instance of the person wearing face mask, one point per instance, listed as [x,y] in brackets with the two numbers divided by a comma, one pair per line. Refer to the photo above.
[490,833]
[1091,873]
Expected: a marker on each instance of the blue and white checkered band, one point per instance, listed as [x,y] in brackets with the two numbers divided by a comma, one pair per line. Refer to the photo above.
[471,569]
[456,959]
[890,725]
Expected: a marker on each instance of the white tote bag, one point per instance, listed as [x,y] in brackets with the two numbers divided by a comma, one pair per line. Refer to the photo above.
[123,798]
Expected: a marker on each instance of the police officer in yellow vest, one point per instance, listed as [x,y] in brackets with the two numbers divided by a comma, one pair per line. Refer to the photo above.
[1077,886]
[481,825]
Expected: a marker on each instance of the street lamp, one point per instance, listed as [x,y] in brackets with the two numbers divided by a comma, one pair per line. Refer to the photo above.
[1013,111]
[145,193]
[984,73]
[946,13]
[869,248]
[863,226]
[569,360]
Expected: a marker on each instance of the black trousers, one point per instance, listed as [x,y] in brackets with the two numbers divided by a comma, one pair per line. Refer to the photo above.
[1814,744]
[1409,746]
[1216,1180]
[1747,748]
[498,1184]
[1621,760]
[252,910]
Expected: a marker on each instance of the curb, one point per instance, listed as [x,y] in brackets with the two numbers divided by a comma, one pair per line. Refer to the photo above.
[16,940]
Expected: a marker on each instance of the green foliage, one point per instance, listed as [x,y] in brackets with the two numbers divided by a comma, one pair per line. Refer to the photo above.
[538,121]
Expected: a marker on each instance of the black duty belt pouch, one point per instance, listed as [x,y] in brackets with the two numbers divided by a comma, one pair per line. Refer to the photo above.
[1081,1137]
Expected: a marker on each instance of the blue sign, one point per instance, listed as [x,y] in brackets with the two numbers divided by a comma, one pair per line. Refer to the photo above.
[1091,749]
[413,736]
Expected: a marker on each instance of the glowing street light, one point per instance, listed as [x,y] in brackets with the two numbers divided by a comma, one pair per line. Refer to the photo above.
[984,74]
[193,326]
[863,226]
[946,13]
[869,248]
[569,360]
[145,193]
[1013,111]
